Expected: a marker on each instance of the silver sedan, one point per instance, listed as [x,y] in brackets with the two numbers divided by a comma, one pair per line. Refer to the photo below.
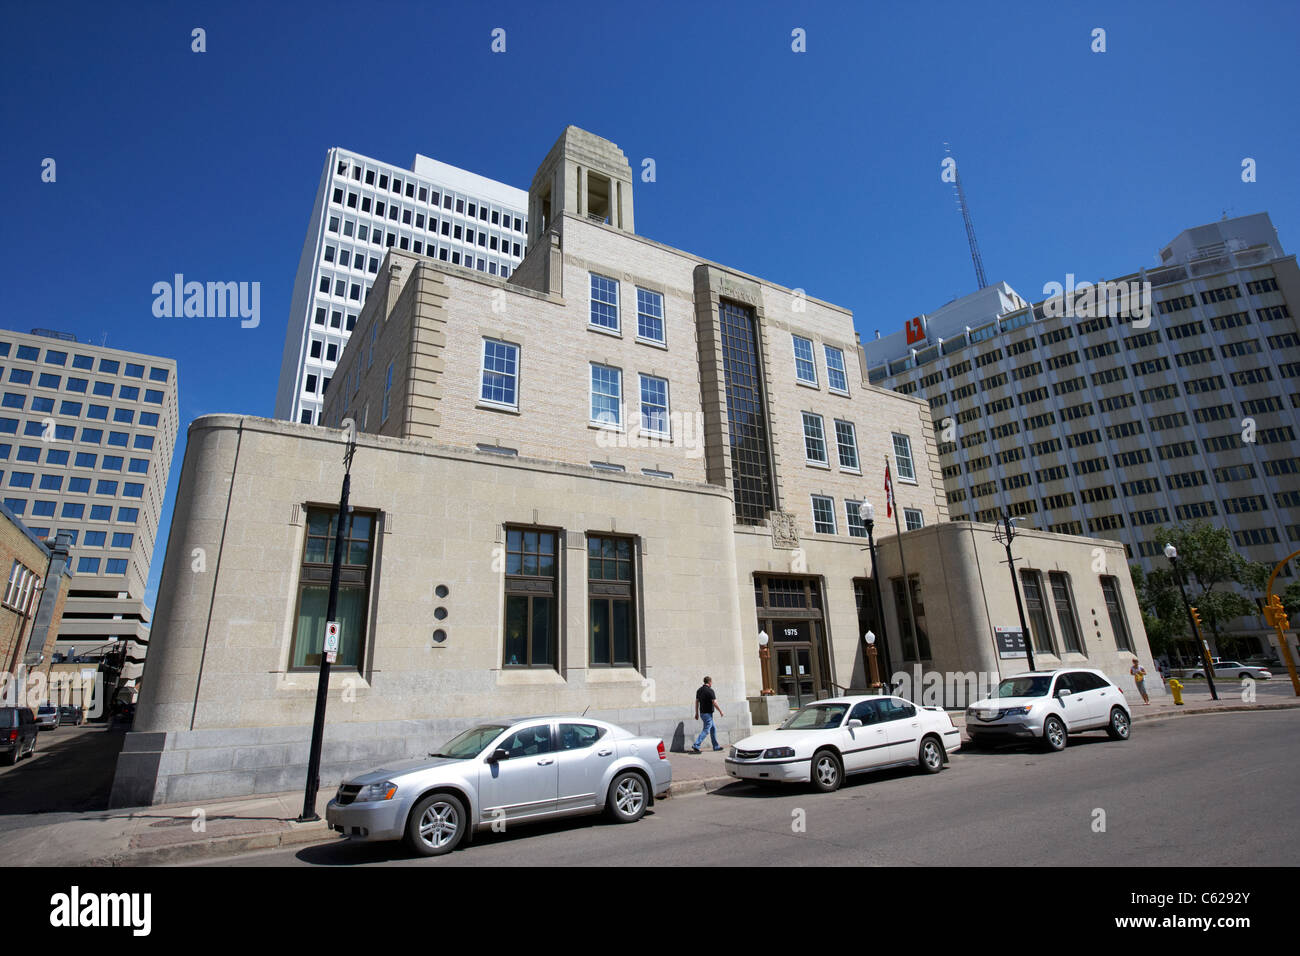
[499,774]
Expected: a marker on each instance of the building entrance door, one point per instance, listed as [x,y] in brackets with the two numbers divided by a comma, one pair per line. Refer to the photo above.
[796,674]
[790,612]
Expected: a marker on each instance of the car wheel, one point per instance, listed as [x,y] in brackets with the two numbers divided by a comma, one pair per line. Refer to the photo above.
[436,825]
[627,797]
[827,771]
[1119,727]
[931,755]
[1054,737]
[12,757]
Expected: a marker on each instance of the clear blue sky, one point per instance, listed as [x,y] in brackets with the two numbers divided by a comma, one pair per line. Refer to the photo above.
[817,170]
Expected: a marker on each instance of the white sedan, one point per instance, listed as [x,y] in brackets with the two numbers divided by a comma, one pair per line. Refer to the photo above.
[825,741]
[1234,669]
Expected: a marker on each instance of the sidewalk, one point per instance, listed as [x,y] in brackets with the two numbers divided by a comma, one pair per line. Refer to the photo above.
[168,834]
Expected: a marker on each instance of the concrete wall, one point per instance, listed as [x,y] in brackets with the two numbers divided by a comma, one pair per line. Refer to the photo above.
[222,713]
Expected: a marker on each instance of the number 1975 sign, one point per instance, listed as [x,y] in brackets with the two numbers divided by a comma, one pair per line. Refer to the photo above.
[331,641]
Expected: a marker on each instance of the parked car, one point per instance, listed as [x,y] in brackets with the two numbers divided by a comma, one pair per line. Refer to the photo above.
[501,774]
[1233,669]
[823,742]
[1048,706]
[18,733]
[72,714]
[47,717]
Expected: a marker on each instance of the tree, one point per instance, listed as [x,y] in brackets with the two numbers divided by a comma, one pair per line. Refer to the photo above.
[1214,574]
[1163,614]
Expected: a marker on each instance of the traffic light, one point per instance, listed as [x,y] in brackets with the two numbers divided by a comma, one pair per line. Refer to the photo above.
[1196,619]
[1275,613]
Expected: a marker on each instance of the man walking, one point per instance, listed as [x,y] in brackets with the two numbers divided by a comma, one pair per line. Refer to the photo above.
[706,702]
[1139,677]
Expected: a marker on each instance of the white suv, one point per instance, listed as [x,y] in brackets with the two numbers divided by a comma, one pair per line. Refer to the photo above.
[1049,705]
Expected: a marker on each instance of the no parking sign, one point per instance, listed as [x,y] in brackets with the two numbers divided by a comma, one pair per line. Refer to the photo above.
[331,641]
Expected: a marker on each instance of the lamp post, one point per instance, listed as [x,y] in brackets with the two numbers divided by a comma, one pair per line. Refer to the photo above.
[867,512]
[1010,534]
[870,638]
[323,682]
[764,655]
[1172,554]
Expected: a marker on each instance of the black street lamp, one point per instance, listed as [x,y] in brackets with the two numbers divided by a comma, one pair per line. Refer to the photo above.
[323,682]
[868,515]
[1172,554]
[1009,534]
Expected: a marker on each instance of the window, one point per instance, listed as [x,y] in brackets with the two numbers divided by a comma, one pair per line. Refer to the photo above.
[903,458]
[1118,623]
[531,598]
[1065,611]
[132,489]
[836,377]
[115,566]
[610,589]
[604,302]
[823,514]
[852,520]
[128,514]
[80,486]
[649,315]
[654,406]
[921,644]
[314,588]
[606,396]
[847,440]
[388,387]
[751,480]
[88,566]
[1031,583]
[913,519]
[101,512]
[95,539]
[814,439]
[805,368]
[124,539]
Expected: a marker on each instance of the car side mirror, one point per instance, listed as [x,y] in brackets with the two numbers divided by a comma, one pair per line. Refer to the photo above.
[854,724]
[1063,693]
[499,754]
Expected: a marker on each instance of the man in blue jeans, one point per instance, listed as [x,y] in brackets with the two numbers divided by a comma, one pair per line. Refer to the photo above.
[706,702]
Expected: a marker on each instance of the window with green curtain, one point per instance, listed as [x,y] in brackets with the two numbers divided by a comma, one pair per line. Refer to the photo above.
[314,587]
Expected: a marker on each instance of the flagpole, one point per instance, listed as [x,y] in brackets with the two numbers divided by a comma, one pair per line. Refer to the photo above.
[907,582]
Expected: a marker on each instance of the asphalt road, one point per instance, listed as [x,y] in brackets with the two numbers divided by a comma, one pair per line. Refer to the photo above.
[1210,791]
[70,772]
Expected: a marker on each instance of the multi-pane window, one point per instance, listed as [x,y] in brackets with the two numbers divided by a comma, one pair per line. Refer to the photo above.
[751,477]
[610,589]
[604,302]
[847,440]
[531,598]
[649,315]
[606,395]
[314,588]
[500,373]
[823,514]
[836,377]
[814,439]
[1118,623]
[913,519]
[654,405]
[805,367]
[1031,582]
[903,457]
[388,387]
[920,645]
[1065,611]
[853,520]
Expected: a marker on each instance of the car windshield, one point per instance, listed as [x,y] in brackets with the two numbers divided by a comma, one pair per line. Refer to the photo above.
[1025,686]
[816,717]
[470,743]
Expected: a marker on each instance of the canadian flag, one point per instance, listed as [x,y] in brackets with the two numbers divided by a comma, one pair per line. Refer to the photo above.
[889,493]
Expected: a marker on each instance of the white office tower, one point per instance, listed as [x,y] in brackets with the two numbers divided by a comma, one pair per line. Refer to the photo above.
[363,207]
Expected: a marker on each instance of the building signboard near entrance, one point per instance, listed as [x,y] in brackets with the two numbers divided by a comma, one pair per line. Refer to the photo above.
[1011,643]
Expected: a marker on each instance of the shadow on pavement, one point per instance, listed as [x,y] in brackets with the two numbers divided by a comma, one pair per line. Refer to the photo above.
[71,770]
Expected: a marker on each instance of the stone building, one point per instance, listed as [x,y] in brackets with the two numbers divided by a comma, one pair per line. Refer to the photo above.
[581,488]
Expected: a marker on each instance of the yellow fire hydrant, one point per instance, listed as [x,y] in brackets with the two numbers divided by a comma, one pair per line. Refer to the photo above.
[1176,688]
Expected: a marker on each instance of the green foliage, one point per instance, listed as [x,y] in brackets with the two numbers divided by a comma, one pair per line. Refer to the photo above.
[1215,577]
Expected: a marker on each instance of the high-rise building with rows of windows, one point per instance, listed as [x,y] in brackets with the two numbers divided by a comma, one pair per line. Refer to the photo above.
[364,208]
[86,441]
[1110,418]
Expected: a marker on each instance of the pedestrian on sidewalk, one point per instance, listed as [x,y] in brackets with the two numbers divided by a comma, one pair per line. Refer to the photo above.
[1139,677]
[706,702]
